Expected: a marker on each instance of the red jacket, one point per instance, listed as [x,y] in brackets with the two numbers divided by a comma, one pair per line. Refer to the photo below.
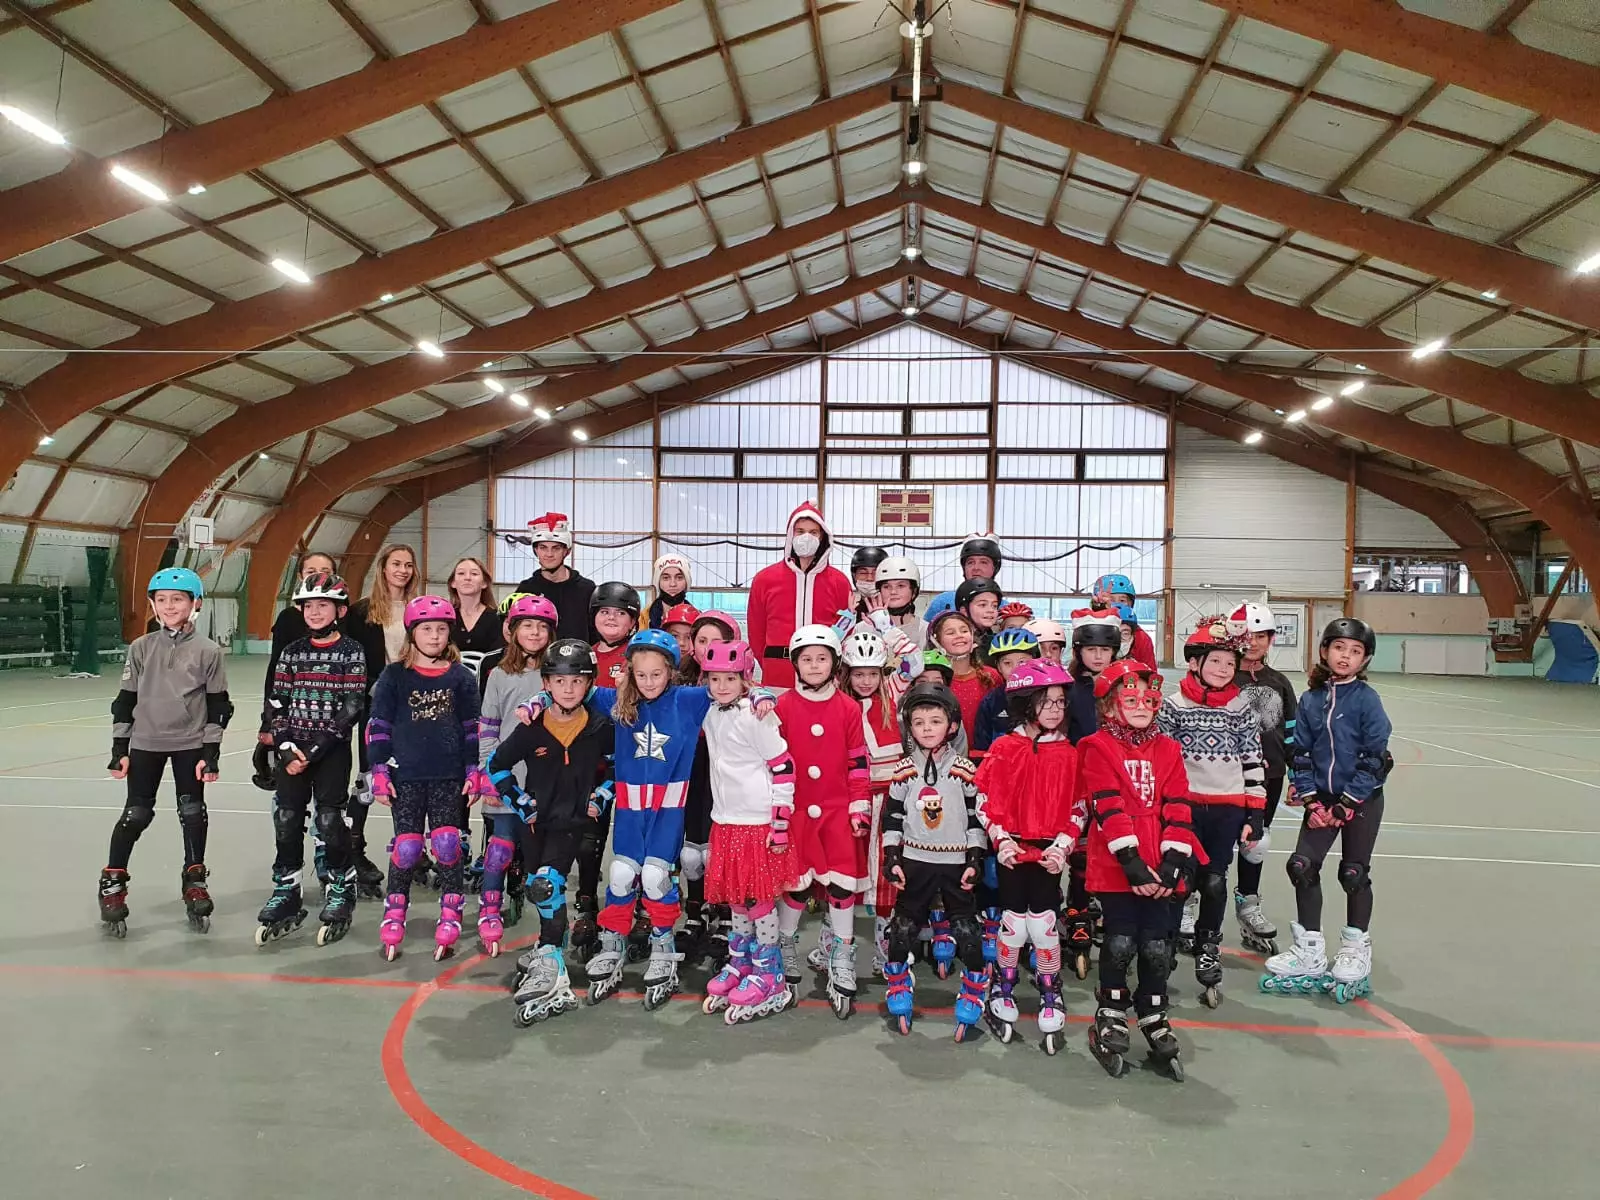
[611,665]
[1029,792]
[1136,796]
[1142,649]
[783,598]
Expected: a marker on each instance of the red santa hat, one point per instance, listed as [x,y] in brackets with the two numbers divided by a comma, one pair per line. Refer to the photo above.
[552,527]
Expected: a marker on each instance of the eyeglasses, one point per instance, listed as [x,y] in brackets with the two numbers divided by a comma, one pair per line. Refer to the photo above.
[1140,699]
[1062,703]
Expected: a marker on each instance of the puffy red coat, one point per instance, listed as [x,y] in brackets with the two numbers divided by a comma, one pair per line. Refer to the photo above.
[1029,791]
[783,598]
[1135,795]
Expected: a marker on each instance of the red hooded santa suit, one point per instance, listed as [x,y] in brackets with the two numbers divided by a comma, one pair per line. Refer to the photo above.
[783,598]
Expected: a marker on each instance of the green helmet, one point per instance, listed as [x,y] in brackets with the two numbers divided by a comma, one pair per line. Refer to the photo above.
[938,660]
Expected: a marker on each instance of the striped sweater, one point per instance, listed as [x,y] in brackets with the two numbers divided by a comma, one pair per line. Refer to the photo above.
[317,694]
[1221,749]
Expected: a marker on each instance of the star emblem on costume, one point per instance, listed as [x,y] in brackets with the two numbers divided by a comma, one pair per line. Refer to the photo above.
[651,743]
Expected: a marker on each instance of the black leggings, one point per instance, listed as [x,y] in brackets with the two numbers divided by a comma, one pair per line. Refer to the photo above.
[1136,928]
[1218,827]
[591,849]
[436,803]
[556,849]
[1249,877]
[1357,837]
[145,768]
[327,781]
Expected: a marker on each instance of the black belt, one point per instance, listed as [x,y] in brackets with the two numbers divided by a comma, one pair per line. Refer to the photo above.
[778,652]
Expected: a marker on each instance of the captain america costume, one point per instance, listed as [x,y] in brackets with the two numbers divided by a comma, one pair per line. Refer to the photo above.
[654,757]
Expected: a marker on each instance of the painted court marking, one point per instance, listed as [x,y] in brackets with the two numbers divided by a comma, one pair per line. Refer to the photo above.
[1499,762]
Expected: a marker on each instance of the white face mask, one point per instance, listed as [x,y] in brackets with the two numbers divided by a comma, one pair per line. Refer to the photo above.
[806,544]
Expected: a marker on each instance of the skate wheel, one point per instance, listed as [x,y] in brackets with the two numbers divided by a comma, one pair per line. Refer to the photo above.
[1211,997]
[322,935]
[200,924]
[713,1004]
[1050,1043]
[843,1006]
[263,934]
[1175,1066]
[390,953]
[440,953]
[117,929]
[492,949]
[903,1027]
[1080,966]
[963,1031]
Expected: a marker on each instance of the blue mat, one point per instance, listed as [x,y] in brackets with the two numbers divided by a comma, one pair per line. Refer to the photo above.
[1576,658]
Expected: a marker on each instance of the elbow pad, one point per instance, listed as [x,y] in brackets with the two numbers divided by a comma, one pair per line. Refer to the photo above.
[122,706]
[219,709]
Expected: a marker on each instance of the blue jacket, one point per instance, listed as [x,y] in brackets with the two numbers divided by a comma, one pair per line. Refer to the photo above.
[992,721]
[655,755]
[1341,742]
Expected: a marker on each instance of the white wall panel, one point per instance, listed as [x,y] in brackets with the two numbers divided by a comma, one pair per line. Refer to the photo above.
[455,531]
[1247,520]
[1383,524]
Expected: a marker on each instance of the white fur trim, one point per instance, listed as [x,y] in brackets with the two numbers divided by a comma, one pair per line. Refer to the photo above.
[1121,843]
[1180,847]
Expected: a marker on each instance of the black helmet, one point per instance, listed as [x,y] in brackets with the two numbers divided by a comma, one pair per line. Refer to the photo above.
[1097,629]
[928,695]
[569,656]
[867,556]
[973,588]
[616,595]
[985,547]
[1353,628]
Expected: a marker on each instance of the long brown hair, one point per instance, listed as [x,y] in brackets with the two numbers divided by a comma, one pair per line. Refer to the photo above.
[626,710]
[514,660]
[410,654]
[1319,675]
[485,597]
[379,609]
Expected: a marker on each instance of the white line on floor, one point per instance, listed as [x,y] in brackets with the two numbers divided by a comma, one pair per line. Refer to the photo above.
[236,812]
[1492,828]
[1480,731]
[1516,862]
[1400,687]
[1472,766]
[1497,761]
[53,703]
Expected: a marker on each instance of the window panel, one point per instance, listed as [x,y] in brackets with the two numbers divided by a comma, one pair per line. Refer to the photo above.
[858,422]
[1058,467]
[1124,466]
[863,466]
[1035,511]
[949,466]
[952,420]
[780,466]
[612,506]
[1111,511]
[696,466]
[1124,426]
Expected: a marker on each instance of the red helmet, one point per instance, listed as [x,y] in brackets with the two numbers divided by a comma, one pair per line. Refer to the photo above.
[1035,674]
[1016,608]
[680,614]
[1215,633]
[727,656]
[1125,668]
[428,608]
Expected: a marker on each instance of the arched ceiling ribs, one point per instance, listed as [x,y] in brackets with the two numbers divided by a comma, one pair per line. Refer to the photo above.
[82,382]
[83,196]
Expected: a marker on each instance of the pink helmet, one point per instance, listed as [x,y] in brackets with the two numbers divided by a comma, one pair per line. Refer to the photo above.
[532,608]
[428,608]
[721,618]
[1035,674]
[728,656]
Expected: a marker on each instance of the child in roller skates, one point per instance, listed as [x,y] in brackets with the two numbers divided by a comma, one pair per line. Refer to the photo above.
[531,623]
[933,847]
[422,741]
[704,935]
[1272,698]
[172,706]
[833,808]
[1221,741]
[1341,760]
[317,696]
[551,775]
[970,680]
[899,583]
[1010,649]
[752,786]
[1052,639]
[1096,637]
[1141,852]
[1028,806]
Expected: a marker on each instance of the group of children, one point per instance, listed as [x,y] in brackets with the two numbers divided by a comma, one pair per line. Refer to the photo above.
[988,783]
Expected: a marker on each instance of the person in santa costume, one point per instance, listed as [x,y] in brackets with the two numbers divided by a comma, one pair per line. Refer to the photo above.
[802,589]
[555,580]
[832,807]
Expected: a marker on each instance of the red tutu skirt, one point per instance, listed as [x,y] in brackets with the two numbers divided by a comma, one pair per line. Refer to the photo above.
[739,867]
[822,849]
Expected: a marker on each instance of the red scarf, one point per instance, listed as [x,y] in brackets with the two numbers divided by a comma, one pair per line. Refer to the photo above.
[1127,734]
[1201,694]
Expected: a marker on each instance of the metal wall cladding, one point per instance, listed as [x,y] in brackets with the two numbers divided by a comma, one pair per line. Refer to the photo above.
[455,531]
[1382,524]
[1243,519]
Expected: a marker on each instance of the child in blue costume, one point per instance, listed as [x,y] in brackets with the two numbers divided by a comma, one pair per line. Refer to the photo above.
[657,729]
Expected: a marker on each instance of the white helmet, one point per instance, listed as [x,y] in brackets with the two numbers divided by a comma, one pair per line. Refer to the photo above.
[865,648]
[1256,618]
[1047,631]
[552,527]
[899,567]
[815,635]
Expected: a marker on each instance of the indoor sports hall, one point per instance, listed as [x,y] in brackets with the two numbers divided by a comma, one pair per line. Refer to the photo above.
[716,597]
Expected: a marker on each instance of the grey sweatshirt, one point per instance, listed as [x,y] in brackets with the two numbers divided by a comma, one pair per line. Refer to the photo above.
[179,685]
[501,695]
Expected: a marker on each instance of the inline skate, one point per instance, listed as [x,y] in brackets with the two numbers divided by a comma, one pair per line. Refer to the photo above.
[639,947]
[1208,966]
[969,1002]
[842,977]
[941,944]
[1163,1043]
[605,968]
[1351,977]
[789,951]
[991,936]
[1002,1014]
[369,879]
[1077,939]
[1191,913]
[661,976]
[447,929]
[338,909]
[1108,1036]
[114,901]
[392,931]
[1256,931]
[821,954]
[1301,968]
[763,992]
[515,896]
[319,862]
[899,994]
[1052,1013]
[284,910]
[586,928]
[721,985]
[491,928]
[546,991]
[196,899]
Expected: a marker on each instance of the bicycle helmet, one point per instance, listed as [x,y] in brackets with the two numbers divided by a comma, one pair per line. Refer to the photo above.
[1015,608]
[428,608]
[321,585]
[929,695]
[1213,633]
[1047,631]
[727,656]
[1013,641]
[570,656]
[730,627]
[938,660]
[867,556]
[552,527]
[1041,673]
[1124,669]
[658,640]
[176,579]
[616,595]
[527,607]
[982,546]
[897,566]
[825,636]
[680,614]
[1353,628]
[971,589]
[864,648]
[1256,618]
[1113,585]
[1096,629]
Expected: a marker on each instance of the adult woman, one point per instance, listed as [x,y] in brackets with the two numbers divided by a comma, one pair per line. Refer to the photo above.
[377,622]
[478,630]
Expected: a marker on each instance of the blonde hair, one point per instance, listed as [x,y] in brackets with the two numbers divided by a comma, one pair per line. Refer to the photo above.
[380,610]
[626,709]
[485,597]
[409,655]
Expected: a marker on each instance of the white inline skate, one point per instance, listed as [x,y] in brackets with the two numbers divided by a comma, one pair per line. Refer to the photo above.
[661,976]
[546,991]
[1352,966]
[1256,931]
[842,978]
[605,968]
[1301,968]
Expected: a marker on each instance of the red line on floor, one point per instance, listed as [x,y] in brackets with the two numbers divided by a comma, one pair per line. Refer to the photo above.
[211,976]
[1458,1100]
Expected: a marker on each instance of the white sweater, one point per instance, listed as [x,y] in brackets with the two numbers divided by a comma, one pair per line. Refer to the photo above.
[744,752]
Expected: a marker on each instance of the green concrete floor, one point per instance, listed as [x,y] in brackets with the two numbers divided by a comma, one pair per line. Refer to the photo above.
[179,1064]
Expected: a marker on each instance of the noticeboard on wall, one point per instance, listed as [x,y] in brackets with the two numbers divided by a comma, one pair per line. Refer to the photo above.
[1288,629]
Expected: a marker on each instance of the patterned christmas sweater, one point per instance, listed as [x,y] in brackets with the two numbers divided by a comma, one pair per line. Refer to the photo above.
[1221,742]
[932,809]
[318,693]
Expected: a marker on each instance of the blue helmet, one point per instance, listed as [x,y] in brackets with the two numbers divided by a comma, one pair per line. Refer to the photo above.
[1114,585]
[1014,641]
[176,579]
[658,640]
[1129,617]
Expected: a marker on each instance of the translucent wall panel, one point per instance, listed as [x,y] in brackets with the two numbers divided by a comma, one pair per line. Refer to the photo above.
[780,466]
[1124,466]
[949,466]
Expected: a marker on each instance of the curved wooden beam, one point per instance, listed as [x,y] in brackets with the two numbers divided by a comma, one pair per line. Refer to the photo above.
[84,196]
[1545,83]
[1518,278]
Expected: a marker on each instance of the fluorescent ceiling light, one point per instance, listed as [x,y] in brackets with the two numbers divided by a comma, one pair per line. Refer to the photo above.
[1428,349]
[519,400]
[386,297]
[262,455]
[915,167]
[495,386]
[910,252]
[1491,294]
[284,267]
[431,349]
[138,183]
[29,123]
[1590,264]
[46,440]
[197,189]
[1253,437]
[579,435]
[1350,389]
[1296,416]
[542,412]
[1322,402]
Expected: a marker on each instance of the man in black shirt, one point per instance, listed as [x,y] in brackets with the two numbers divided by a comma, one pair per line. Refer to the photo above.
[557,582]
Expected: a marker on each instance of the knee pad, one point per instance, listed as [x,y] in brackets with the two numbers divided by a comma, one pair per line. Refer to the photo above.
[406,852]
[1213,886]
[1302,872]
[900,937]
[191,809]
[446,843]
[656,880]
[692,861]
[330,824]
[1155,962]
[1013,929]
[969,941]
[624,873]
[1257,854]
[1120,949]
[1354,877]
[289,824]
[499,854]
[548,891]
[1042,929]
[136,818]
